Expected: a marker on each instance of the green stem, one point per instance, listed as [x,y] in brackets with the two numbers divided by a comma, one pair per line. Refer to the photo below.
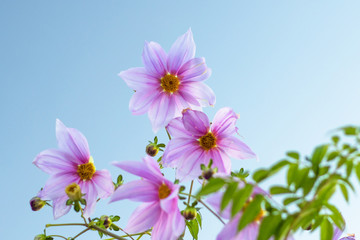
[191,186]
[58,236]
[107,232]
[168,134]
[65,224]
[84,231]
[127,235]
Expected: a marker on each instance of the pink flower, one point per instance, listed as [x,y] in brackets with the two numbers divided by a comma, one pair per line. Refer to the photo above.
[169,82]
[72,163]
[195,142]
[160,196]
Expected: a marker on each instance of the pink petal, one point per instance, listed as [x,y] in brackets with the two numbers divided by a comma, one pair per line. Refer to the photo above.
[161,111]
[189,167]
[59,207]
[153,166]
[192,68]
[215,201]
[104,183]
[88,187]
[54,161]
[176,150]
[178,223]
[170,203]
[154,59]
[250,232]
[144,217]
[181,104]
[163,229]
[224,122]
[220,160]
[56,184]
[138,79]
[235,148]
[201,92]
[230,229]
[139,169]
[139,190]
[176,128]
[189,98]
[141,101]
[72,141]
[196,122]
[181,51]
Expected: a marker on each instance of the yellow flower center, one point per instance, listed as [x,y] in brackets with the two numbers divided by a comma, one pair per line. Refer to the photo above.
[86,170]
[208,141]
[164,191]
[170,83]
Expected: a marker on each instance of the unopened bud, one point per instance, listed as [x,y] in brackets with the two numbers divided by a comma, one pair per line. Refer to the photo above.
[190,213]
[107,221]
[74,192]
[207,174]
[40,237]
[151,150]
[36,203]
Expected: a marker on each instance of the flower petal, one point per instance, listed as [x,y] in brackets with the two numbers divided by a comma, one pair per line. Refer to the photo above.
[72,141]
[139,190]
[161,111]
[59,207]
[170,203]
[144,217]
[181,104]
[53,161]
[196,122]
[141,101]
[230,229]
[88,187]
[154,59]
[189,167]
[56,184]
[138,79]
[220,160]
[163,229]
[103,182]
[176,128]
[250,232]
[139,169]
[215,201]
[153,166]
[201,92]
[224,122]
[192,68]
[176,150]
[181,51]
[235,148]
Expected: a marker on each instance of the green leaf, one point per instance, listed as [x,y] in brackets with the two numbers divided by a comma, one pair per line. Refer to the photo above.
[326,230]
[240,198]
[335,139]
[198,219]
[332,156]
[279,190]
[349,167]
[213,185]
[350,130]
[336,216]
[161,145]
[260,175]
[344,191]
[77,207]
[100,234]
[115,218]
[358,170]
[193,228]
[291,174]
[69,202]
[284,228]
[116,228]
[301,176]
[308,185]
[278,166]
[251,212]
[268,226]
[294,155]
[318,154]
[228,195]
[289,200]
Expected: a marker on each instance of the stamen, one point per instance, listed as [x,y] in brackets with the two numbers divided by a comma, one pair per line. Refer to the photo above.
[208,141]
[164,191]
[170,83]
[86,170]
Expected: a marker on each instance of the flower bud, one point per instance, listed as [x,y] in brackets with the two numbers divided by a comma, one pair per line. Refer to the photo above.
[190,213]
[36,203]
[107,221]
[151,150]
[207,174]
[40,237]
[74,192]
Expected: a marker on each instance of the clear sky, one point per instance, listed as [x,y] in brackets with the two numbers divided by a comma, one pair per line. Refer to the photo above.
[290,68]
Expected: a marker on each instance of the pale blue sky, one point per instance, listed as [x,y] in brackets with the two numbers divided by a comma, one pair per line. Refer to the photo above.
[290,68]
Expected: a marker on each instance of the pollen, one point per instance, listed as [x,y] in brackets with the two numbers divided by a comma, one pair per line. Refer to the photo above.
[208,141]
[86,170]
[170,83]
[164,191]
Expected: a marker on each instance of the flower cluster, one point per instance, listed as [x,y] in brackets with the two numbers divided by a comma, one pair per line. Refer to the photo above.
[171,89]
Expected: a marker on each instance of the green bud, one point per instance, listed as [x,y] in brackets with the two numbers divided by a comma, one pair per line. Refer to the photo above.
[106,221]
[36,203]
[208,173]
[190,213]
[152,150]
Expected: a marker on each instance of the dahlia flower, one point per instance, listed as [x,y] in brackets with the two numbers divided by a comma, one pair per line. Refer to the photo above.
[195,141]
[70,164]
[169,83]
[160,196]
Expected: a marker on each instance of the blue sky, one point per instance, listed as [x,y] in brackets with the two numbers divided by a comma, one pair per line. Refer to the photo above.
[289,68]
